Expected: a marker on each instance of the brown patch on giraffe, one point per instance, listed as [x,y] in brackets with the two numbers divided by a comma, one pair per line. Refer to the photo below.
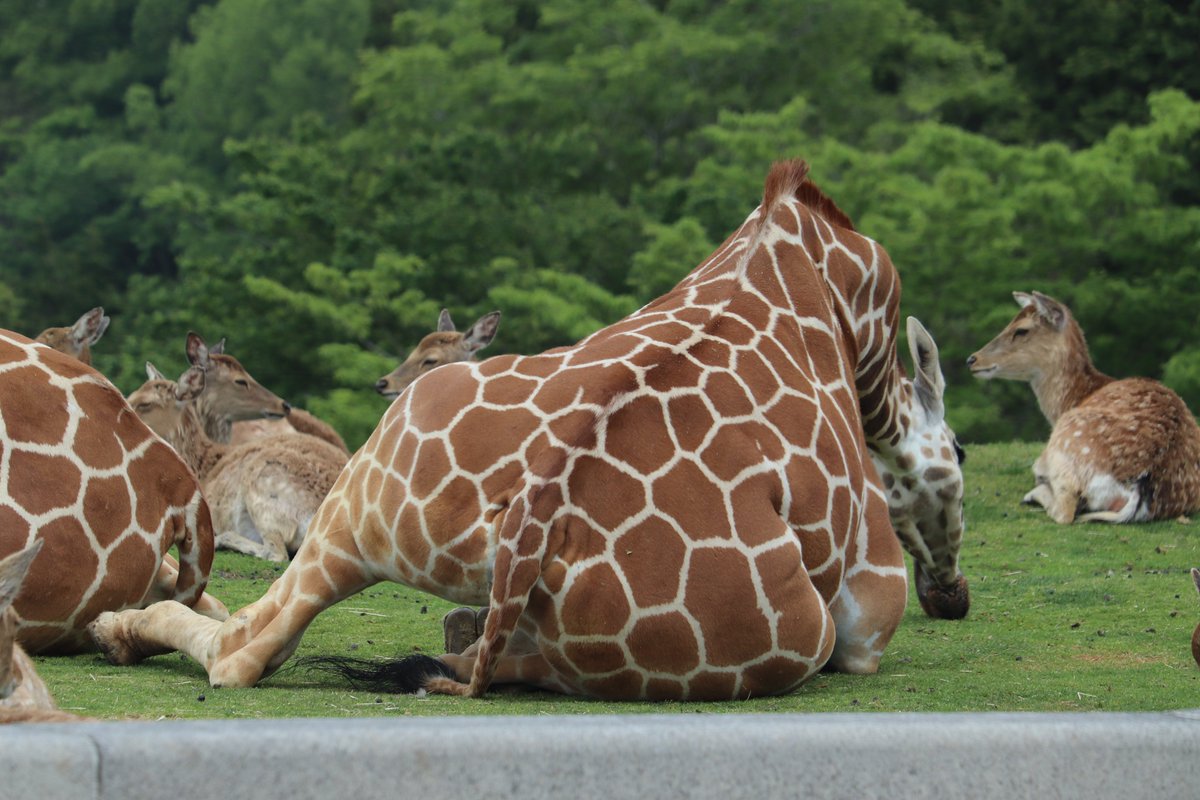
[40,483]
[542,366]
[48,593]
[737,332]
[810,502]
[577,428]
[624,685]
[712,352]
[128,429]
[687,495]
[447,571]
[651,557]
[508,390]
[841,512]
[107,509]
[720,589]
[94,437]
[669,375]
[498,483]
[777,675]
[10,352]
[554,575]
[728,396]
[690,419]
[481,425]
[131,557]
[34,410]
[578,541]
[593,657]
[755,504]
[15,527]
[663,689]
[626,439]
[712,686]
[664,643]
[595,605]
[417,547]
[406,453]
[432,464]
[736,447]
[604,492]
[763,385]
[795,417]
[155,483]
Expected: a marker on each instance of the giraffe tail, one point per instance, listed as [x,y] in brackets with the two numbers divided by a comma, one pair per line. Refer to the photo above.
[194,541]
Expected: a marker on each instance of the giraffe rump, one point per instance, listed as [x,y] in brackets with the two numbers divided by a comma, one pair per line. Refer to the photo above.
[405,675]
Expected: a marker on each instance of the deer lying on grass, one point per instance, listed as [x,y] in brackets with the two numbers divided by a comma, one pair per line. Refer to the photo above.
[262,494]
[1120,450]
[23,694]
[77,340]
[236,409]
[1196,633]
[443,346]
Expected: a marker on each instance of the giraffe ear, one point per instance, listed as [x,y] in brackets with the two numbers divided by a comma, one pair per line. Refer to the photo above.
[13,570]
[928,381]
[444,321]
[190,385]
[480,334]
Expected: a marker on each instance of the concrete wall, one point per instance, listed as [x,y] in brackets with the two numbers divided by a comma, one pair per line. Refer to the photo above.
[954,756]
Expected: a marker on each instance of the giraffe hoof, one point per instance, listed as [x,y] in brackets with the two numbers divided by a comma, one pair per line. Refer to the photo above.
[105,631]
[460,630]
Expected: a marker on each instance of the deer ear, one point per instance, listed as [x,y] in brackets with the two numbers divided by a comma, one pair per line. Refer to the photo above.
[1024,299]
[1050,310]
[90,327]
[480,334]
[190,384]
[197,351]
[1196,578]
[927,381]
[444,321]
[13,570]
[153,373]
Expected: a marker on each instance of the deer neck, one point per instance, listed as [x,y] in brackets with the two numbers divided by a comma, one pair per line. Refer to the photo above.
[1067,383]
[218,427]
[195,447]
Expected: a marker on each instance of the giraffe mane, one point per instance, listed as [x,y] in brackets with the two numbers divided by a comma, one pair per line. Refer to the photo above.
[789,179]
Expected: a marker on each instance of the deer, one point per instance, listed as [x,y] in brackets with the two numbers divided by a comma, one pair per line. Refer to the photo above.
[1196,633]
[235,408]
[446,345]
[262,494]
[23,694]
[77,340]
[1119,451]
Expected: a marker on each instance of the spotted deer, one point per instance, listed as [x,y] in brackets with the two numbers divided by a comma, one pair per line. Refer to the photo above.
[77,340]
[444,346]
[684,505]
[23,694]
[1119,450]
[263,493]
[1196,633]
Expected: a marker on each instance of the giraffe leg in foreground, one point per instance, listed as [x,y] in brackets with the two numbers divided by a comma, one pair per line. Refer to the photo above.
[254,641]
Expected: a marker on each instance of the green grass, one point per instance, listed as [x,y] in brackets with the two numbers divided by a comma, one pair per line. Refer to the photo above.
[1078,618]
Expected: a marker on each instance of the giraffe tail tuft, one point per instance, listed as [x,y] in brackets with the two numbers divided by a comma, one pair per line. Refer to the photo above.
[406,675]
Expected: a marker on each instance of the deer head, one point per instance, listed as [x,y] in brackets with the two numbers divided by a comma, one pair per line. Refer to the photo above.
[1039,340]
[13,570]
[230,392]
[443,346]
[77,340]
[162,403]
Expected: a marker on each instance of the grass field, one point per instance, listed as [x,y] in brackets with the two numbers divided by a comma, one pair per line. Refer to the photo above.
[1077,618]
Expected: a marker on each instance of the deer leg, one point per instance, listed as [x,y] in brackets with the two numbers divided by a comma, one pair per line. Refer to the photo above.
[254,641]
[868,606]
[270,548]
[1039,495]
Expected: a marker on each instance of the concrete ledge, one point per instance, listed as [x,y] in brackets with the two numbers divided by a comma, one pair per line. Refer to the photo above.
[644,756]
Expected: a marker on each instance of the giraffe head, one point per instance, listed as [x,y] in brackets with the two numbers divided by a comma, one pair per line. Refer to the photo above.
[229,390]
[13,570]
[444,346]
[77,340]
[923,479]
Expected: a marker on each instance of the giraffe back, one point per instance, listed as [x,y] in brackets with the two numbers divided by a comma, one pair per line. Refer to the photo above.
[105,496]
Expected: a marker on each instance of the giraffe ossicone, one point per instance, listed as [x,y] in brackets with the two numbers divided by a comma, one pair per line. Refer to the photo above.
[682,505]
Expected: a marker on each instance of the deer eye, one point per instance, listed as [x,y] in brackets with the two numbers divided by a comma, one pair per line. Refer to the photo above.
[143,408]
[1020,332]
[429,362]
[242,382]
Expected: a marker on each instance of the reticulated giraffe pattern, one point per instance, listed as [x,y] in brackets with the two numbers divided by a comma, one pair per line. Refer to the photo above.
[682,505]
[105,496]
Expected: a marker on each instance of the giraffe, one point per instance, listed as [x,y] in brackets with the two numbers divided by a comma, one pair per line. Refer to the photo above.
[23,694]
[682,505]
[106,497]
[77,340]
[445,345]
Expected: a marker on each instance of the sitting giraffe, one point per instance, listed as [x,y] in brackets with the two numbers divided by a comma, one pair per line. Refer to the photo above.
[682,505]
[23,694]
[262,494]
[80,473]
[444,346]
[77,340]
[1120,450]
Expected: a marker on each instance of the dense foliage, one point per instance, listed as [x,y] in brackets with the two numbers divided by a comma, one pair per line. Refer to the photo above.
[315,179]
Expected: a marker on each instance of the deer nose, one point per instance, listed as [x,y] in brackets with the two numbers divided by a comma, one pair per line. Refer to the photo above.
[381,385]
[970,360]
[287,408]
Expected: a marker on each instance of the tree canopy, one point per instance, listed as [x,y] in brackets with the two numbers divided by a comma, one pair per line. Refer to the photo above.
[315,179]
